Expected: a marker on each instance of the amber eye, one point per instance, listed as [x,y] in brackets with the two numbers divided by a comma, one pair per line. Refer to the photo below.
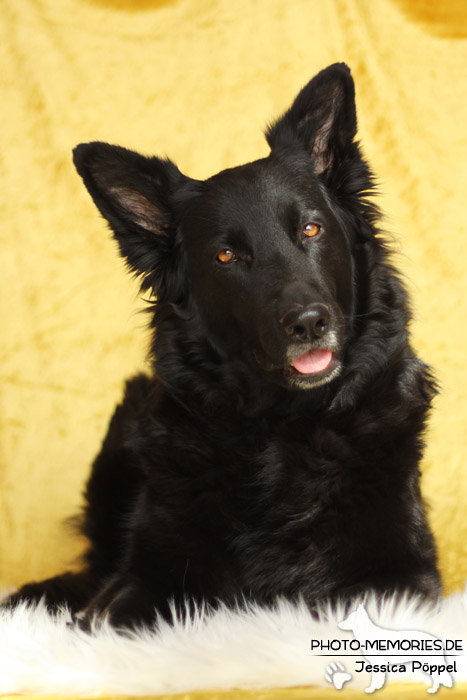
[311,230]
[226,256]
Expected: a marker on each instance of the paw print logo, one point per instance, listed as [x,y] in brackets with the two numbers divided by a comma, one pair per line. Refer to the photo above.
[337,675]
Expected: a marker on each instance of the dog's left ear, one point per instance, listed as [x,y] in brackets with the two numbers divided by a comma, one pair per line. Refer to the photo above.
[135,194]
[322,118]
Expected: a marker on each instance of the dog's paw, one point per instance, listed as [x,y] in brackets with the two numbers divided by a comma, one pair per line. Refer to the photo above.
[337,675]
[87,621]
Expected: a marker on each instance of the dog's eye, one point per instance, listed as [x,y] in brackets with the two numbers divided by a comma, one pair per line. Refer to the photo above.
[226,256]
[311,230]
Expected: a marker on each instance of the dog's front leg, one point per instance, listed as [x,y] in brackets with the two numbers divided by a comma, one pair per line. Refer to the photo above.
[376,682]
[124,602]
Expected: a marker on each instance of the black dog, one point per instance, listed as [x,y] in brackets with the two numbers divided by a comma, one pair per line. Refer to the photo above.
[275,449]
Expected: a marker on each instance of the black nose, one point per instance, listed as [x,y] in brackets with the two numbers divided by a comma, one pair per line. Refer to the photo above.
[306,323]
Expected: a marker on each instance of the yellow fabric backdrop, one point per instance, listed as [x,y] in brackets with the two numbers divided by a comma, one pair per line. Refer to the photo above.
[198,80]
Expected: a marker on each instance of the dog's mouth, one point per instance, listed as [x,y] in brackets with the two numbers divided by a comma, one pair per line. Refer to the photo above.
[313,361]
[310,368]
[314,367]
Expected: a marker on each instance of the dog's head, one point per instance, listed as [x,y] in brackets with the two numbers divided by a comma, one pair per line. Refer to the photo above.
[356,620]
[261,254]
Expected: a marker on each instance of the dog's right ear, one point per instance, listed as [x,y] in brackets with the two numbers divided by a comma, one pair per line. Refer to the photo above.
[134,194]
[322,119]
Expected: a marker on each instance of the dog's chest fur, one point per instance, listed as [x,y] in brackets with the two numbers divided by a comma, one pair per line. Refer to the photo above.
[230,513]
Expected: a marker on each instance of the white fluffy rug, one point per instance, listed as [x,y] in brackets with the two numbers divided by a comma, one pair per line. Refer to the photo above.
[255,649]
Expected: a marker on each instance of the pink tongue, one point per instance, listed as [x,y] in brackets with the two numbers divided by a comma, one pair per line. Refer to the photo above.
[312,361]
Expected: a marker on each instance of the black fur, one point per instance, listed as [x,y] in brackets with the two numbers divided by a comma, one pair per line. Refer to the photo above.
[229,474]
